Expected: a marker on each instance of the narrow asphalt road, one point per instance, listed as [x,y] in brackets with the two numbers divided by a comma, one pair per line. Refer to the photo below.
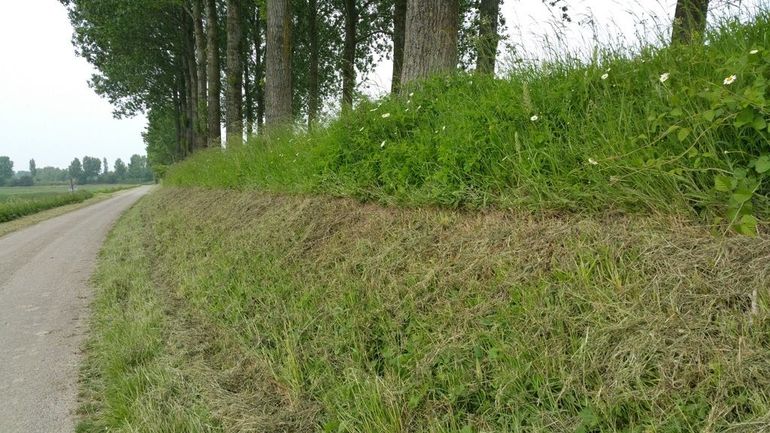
[44,295]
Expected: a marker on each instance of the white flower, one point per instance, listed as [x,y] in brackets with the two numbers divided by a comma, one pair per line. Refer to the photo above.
[374,109]
[361,130]
[411,94]
[730,80]
[534,118]
[609,69]
[386,115]
[382,144]
[664,77]
[592,161]
[605,76]
[443,128]
[753,51]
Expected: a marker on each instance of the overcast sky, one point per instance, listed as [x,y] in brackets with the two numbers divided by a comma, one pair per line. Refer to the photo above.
[48,112]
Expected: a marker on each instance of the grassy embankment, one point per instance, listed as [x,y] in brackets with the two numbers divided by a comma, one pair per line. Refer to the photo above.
[587,295]
[17,202]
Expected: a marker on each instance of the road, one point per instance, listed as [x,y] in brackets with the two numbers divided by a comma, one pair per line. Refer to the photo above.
[44,295]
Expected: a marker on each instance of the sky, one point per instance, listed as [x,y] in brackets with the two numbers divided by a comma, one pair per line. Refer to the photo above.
[49,113]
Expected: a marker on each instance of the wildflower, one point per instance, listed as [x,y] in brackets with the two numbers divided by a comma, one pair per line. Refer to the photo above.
[664,77]
[419,106]
[730,80]
[361,130]
[386,115]
[753,51]
[605,76]
[411,94]
[534,118]
[374,109]
[443,128]
[592,161]
[382,144]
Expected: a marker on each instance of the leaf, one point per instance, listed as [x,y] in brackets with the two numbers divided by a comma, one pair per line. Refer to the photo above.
[762,164]
[683,134]
[745,117]
[709,115]
[676,112]
[723,183]
[741,197]
[759,123]
[747,225]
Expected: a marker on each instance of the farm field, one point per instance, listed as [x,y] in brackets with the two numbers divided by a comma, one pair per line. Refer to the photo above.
[16,202]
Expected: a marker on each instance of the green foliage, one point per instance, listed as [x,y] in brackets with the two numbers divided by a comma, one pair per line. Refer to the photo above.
[14,207]
[734,116]
[6,169]
[610,134]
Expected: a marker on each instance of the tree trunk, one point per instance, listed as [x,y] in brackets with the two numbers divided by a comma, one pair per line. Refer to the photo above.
[234,91]
[314,97]
[213,75]
[689,21]
[349,54]
[399,31]
[191,80]
[431,38]
[488,36]
[200,55]
[259,71]
[278,74]
[248,88]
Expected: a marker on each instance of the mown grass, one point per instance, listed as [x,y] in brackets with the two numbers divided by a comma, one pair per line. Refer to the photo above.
[290,313]
[131,383]
[565,135]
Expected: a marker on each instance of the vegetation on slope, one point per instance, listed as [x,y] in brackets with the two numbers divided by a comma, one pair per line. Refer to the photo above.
[678,129]
[264,312]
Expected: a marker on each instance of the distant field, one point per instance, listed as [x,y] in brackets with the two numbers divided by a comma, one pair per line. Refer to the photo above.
[6,192]
[16,202]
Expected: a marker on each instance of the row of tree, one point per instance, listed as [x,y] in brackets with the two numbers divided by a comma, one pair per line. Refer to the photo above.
[90,170]
[273,62]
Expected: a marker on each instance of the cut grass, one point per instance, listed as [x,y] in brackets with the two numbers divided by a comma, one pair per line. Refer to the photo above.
[290,313]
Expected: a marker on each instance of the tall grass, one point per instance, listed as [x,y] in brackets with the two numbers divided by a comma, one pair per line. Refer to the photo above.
[18,206]
[566,134]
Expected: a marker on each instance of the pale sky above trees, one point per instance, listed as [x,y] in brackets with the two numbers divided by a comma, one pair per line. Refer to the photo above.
[48,112]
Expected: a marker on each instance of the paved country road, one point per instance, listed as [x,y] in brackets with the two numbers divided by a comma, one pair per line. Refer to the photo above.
[44,295]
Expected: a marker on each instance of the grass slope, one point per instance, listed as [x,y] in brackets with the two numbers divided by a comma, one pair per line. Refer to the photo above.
[614,133]
[244,311]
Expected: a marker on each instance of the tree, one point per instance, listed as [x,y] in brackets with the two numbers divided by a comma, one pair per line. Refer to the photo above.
[75,170]
[32,168]
[489,10]
[137,168]
[213,74]
[91,168]
[431,38]
[234,91]
[120,169]
[278,78]
[105,166]
[689,20]
[6,169]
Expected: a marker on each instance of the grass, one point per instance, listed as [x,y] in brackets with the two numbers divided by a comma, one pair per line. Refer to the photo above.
[271,312]
[627,142]
[17,202]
